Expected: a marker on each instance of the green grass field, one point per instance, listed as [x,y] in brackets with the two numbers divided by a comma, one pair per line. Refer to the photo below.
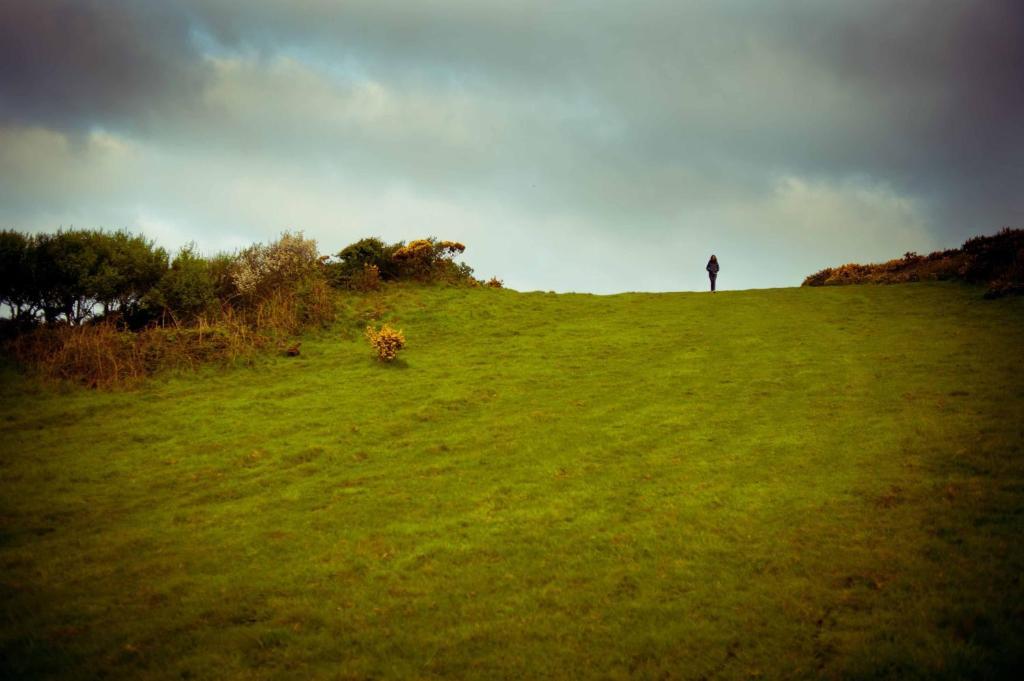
[791,483]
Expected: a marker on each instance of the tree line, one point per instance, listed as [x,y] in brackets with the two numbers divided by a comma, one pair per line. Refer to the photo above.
[77,276]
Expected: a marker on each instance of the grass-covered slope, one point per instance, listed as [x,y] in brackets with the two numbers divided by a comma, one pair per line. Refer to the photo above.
[797,483]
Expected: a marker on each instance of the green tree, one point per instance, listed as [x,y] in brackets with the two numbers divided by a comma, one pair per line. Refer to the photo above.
[129,267]
[17,278]
[66,264]
[80,273]
[186,290]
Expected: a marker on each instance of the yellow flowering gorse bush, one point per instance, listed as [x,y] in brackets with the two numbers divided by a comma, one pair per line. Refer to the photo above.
[387,341]
[428,259]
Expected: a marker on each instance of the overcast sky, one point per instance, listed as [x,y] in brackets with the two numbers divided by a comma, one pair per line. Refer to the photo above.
[572,146]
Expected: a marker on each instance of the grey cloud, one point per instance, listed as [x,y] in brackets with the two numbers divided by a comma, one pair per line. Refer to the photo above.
[72,64]
[948,79]
[926,95]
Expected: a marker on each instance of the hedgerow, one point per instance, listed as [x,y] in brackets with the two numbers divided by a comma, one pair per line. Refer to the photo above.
[996,261]
[107,308]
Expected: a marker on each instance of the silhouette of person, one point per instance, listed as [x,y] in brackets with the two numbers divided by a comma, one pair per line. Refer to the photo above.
[712,269]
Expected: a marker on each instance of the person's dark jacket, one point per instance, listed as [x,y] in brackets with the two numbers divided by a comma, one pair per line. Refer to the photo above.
[712,266]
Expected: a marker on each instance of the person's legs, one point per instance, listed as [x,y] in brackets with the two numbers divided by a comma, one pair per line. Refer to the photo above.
[713,276]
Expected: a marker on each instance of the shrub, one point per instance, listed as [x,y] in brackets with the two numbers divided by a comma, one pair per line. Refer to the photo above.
[259,271]
[220,267]
[459,273]
[280,287]
[416,258]
[367,279]
[288,311]
[422,259]
[430,259]
[494,282]
[186,291]
[355,258]
[387,341]
[448,249]
[315,303]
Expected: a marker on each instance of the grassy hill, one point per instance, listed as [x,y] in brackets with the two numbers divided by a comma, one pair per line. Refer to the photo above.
[793,483]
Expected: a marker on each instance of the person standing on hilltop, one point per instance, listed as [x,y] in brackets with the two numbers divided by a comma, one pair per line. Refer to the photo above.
[712,269]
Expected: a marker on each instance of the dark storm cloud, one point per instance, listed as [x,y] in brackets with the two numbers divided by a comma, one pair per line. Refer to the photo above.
[914,91]
[73,64]
[948,79]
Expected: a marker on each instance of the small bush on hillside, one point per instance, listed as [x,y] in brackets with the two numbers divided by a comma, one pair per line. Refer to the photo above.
[494,282]
[386,341]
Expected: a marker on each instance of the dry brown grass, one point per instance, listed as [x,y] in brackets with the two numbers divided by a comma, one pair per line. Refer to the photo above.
[368,279]
[102,355]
